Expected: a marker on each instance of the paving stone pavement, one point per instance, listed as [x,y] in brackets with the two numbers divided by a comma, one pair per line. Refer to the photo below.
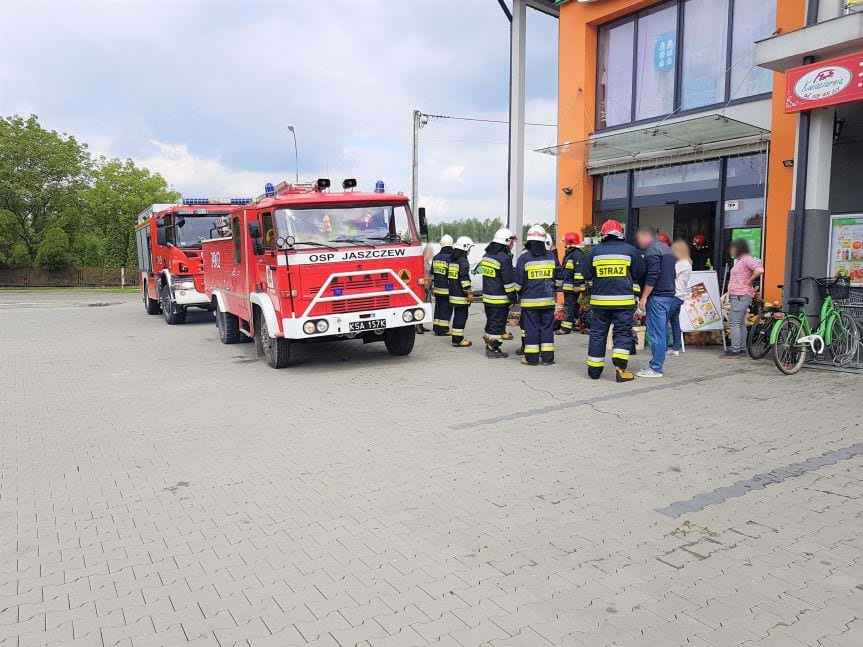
[158,488]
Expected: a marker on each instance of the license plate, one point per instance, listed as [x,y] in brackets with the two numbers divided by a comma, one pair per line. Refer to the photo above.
[371,324]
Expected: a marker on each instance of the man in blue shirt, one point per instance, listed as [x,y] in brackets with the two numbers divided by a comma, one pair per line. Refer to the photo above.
[657,297]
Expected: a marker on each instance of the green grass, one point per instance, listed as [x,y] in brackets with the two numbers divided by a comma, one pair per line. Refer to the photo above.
[68,290]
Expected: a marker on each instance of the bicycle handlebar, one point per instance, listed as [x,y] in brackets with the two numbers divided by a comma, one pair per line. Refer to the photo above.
[824,283]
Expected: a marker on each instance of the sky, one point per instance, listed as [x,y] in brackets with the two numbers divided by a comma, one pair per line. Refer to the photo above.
[203,92]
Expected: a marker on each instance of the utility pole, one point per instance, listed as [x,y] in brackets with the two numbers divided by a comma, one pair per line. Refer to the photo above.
[515,216]
[420,120]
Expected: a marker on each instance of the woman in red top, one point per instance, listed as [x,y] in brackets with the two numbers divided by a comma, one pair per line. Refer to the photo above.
[744,274]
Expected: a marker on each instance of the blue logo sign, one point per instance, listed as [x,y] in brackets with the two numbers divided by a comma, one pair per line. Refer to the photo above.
[664,50]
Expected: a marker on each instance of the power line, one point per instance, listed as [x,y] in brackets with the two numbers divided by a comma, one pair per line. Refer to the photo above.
[487,121]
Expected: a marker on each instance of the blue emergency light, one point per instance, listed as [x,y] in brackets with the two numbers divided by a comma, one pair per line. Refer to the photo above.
[338,292]
[379,186]
[389,286]
[269,189]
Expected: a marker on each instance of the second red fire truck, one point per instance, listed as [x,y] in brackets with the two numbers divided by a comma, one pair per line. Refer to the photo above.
[168,239]
[302,264]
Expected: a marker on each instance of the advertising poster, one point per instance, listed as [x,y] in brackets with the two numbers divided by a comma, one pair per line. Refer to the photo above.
[751,235]
[700,309]
[846,248]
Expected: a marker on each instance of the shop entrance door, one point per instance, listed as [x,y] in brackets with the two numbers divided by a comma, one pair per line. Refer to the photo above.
[684,221]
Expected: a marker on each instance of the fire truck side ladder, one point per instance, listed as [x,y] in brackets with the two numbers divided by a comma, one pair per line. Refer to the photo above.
[360,295]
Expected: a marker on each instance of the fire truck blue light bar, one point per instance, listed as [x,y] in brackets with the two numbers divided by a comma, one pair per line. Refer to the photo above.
[201,201]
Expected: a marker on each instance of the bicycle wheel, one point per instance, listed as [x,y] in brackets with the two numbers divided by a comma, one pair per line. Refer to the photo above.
[787,355]
[844,339]
[758,337]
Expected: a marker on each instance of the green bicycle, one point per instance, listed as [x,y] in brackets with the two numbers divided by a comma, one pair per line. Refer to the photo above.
[792,336]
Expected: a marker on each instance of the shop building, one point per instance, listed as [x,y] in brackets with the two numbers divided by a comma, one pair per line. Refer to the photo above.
[674,114]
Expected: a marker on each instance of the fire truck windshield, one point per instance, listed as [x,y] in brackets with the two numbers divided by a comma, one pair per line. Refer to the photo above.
[345,225]
[189,231]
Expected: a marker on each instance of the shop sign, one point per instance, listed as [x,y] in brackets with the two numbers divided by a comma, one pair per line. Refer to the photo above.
[701,305]
[825,83]
[732,205]
[846,248]
[751,235]
[664,48]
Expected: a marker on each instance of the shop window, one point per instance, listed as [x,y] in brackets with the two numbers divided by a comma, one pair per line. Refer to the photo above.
[705,37]
[615,74]
[746,171]
[744,213]
[753,20]
[698,176]
[656,54]
[612,186]
[601,217]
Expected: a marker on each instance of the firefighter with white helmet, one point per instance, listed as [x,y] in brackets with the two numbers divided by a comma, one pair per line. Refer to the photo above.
[460,295]
[440,287]
[535,276]
[613,267]
[498,290]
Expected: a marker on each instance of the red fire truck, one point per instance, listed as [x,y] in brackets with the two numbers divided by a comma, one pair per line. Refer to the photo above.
[168,239]
[303,264]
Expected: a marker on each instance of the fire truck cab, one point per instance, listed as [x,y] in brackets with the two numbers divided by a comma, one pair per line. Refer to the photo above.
[168,239]
[303,264]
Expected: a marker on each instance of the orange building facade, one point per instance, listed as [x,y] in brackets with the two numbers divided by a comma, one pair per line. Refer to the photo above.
[665,120]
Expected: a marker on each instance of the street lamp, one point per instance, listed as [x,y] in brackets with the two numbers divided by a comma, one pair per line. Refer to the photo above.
[296,155]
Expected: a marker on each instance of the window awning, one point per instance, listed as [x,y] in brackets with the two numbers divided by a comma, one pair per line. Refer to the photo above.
[705,137]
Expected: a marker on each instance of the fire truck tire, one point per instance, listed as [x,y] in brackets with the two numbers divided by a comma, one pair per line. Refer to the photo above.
[229,327]
[172,313]
[150,305]
[400,341]
[276,350]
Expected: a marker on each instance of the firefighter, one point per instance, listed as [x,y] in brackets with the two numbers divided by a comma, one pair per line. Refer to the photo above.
[440,287]
[572,281]
[498,290]
[614,267]
[535,276]
[460,295]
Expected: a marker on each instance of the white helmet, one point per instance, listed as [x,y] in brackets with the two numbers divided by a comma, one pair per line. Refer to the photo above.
[503,236]
[446,240]
[537,233]
[549,243]
[463,243]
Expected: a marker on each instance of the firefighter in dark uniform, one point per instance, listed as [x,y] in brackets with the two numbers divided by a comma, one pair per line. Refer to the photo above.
[440,287]
[498,290]
[572,281]
[535,276]
[614,267]
[460,295]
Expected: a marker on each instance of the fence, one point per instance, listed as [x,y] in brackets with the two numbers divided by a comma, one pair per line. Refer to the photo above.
[81,277]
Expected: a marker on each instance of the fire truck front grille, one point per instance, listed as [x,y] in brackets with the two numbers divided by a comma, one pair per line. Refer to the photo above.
[357,305]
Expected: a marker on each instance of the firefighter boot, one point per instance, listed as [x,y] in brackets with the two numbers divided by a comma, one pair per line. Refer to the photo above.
[562,331]
[493,351]
[623,375]
[507,336]
[462,343]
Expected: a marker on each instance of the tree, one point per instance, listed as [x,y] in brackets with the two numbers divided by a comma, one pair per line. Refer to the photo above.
[54,252]
[120,190]
[41,175]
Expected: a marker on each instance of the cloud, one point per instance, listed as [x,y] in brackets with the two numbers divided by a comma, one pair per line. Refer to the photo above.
[203,92]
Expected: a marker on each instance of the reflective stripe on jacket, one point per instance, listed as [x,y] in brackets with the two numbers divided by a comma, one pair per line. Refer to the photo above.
[458,276]
[614,267]
[440,268]
[572,272]
[535,277]
[498,284]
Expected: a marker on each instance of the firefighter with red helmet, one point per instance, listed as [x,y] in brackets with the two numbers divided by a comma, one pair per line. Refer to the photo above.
[460,295]
[700,253]
[535,276]
[572,281]
[664,238]
[613,267]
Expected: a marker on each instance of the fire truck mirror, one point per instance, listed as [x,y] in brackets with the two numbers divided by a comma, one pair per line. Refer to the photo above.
[424,227]
[180,221]
[161,234]
[255,235]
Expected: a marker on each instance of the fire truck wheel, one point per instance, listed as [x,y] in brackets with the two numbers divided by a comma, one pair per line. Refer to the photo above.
[172,313]
[400,341]
[276,350]
[150,305]
[229,327]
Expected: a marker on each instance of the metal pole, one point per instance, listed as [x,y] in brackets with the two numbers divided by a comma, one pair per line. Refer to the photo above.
[296,154]
[415,162]
[515,215]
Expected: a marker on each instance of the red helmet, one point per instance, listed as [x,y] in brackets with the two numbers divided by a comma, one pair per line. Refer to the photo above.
[699,240]
[571,239]
[664,238]
[611,228]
